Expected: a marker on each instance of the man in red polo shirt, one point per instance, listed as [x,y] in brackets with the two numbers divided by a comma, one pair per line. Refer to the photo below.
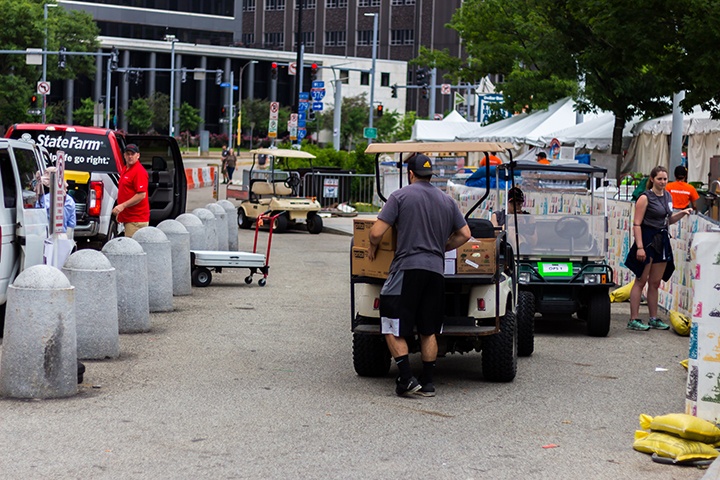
[133,207]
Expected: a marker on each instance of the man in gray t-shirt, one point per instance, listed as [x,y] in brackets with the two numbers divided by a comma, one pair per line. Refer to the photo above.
[428,224]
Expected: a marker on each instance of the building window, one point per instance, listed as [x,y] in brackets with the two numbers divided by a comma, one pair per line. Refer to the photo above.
[364,37]
[274,4]
[409,2]
[308,39]
[248,38]
[336,39]
[307,4]
[384,79]
[344,76]
[248,5]
[397,2]
[273,39]
[402,37]
[364,78]
[369,3]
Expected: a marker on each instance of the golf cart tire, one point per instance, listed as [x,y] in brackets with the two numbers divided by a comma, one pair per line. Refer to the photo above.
[281,224]
[314,223]
[201,277]
[598,313]
[499,351]
[371,357]
[526,324]
[243,220]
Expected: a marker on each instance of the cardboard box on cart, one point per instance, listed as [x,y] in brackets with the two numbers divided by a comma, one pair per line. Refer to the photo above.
[477,256]
[361,235]
[361,264]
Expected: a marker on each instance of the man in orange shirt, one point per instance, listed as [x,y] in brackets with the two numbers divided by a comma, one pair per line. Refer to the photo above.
[683,194]
[542,158]
[494,160]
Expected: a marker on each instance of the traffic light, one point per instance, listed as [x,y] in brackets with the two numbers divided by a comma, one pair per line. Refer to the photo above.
[420,76]
[223,112]
[313,71]
[380,110]
[393,91]
[183,76]
[33,101]
[62,58]
[138,77]
[218,77]
[274,71]
[424,92]
[114,57]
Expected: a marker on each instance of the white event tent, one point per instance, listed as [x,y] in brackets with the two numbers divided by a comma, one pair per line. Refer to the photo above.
[444,130]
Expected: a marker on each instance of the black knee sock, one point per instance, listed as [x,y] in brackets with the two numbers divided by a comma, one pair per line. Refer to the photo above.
[403,364]
[427,373]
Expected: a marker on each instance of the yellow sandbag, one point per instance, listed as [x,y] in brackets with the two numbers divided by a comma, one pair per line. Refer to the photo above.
[680,323]
[683,425]
[621,294]
[669,446]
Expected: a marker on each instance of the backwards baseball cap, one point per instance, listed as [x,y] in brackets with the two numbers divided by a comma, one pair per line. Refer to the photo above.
[420,165]
[131,147]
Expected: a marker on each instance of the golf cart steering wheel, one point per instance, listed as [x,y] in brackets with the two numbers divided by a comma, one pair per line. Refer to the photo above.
[571,226]
[292,181]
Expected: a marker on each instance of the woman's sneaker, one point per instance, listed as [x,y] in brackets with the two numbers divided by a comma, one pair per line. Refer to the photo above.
[658,324]
[637,324]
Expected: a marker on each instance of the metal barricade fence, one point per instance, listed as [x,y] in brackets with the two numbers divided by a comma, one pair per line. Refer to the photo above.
[331,188]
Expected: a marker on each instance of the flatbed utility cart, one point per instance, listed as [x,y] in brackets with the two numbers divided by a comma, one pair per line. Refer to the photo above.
[275,191]
[479,307]
[561,242]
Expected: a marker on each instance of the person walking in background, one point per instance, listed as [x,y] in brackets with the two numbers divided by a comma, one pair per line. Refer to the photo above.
[230,164]
[542,158]
[651,257]
[428,223]
[223,167]
[133,206]
[683,194]
[494,160]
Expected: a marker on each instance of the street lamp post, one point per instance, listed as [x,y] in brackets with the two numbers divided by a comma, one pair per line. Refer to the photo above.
[45,45]
[172,39]
[372,73]
[240,93]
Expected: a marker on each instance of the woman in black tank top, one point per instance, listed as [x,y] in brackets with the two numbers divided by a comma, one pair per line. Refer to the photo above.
[651,257]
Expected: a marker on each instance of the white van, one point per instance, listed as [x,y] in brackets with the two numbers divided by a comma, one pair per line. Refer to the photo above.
[23,225]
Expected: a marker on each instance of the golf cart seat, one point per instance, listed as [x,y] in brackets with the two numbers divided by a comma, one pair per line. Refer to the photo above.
[261,188]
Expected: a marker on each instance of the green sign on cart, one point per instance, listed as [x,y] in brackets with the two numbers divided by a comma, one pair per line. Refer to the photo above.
[561,269]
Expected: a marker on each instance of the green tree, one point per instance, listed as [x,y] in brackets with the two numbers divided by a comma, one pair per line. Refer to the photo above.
[159,103]
[406,125]
[189,120]
[140,115]
[24,27]
[387,126]
[619,56]
[353,119]
[257,111]
[85,113]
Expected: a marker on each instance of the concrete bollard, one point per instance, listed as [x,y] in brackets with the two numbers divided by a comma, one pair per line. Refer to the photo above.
[232,224]
[208,219]
[130,262]
[96,313]
[179,239]
[159,266]
[220,225]
[195,228]
[39,354]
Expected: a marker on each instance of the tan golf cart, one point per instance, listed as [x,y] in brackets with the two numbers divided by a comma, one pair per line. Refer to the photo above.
[276,191]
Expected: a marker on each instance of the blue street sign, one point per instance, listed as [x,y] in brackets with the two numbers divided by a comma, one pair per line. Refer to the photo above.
[317,106]
[225,84]
[302,106]
[301,123]
[302,115]
[318,84]
[304,96]
[317,95]
[301,133]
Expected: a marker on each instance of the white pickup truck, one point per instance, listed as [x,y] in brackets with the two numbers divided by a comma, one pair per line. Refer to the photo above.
[23,225]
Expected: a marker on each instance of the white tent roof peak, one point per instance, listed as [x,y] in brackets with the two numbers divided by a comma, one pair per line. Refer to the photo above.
[454,116]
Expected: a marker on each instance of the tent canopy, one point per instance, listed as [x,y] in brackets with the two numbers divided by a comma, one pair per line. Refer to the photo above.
[594,134]
[441,131]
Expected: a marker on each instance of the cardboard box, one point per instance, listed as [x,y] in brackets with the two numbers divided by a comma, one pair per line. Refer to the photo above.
[361,235]
[378,268]
[477,256]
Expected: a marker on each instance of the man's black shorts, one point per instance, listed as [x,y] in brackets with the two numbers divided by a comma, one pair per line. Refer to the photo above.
[412,299]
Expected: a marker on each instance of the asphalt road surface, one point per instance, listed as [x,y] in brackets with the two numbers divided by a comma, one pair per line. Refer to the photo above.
[242,381]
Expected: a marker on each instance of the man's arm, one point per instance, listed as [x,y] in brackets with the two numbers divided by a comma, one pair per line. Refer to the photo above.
[458,238]
[376,233]
[134,200]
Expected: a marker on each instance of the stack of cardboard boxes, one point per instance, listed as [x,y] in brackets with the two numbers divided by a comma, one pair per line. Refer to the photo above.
[361,264]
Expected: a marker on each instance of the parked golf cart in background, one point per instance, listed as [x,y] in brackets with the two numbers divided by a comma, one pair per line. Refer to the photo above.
[479,308]
[561,245]
[275,191]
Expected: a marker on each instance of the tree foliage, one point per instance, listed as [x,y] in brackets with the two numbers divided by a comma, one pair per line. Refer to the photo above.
[24,27]
[140,115]
[85,113]
[624,57]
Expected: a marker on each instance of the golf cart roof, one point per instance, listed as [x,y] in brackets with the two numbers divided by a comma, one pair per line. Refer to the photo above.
[437,147]
[282,153]
[563,167]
